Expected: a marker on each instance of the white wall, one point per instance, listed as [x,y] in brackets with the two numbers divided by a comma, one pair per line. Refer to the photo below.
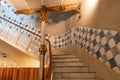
[22,59]
[103,14]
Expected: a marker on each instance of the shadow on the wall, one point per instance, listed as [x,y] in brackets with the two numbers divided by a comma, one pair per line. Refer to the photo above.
[55,18]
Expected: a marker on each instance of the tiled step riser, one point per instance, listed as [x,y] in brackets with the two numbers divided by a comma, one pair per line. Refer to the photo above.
[66,59]
[69,64]
[71,69]
[74,75]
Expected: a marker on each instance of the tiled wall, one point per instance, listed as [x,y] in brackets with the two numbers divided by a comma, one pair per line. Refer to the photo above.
[62,40]
[30,22]
[102,44]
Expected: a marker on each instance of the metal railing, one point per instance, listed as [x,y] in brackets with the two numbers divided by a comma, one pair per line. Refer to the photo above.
[17,37]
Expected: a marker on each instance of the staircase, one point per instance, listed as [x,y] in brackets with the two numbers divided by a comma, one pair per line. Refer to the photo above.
[70,67]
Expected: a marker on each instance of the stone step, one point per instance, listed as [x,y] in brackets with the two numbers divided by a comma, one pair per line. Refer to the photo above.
[71,69]
[66,59]
[68,75]
[73,63]
[64,56]
[74,79]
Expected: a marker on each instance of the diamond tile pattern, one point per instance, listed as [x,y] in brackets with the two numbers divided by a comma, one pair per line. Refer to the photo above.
[105,44]
[62,40]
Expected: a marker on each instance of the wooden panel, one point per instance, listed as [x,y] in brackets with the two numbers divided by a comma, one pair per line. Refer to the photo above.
[20,73]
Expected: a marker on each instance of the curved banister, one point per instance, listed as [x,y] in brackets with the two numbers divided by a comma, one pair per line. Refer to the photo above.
[49,73]
[48,76]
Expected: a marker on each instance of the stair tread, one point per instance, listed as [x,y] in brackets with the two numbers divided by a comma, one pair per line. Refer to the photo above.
[66,61]
[68,64]
[67,57]
[76,72]
[70,67]
[64,56]
[74,79]
[74,75]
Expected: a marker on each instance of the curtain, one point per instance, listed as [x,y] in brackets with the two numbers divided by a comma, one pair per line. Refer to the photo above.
[20,73]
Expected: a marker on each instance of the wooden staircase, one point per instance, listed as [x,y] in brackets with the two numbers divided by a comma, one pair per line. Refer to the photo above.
[70,67]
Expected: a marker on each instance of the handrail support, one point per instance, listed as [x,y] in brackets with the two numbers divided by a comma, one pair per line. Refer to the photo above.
[42,51]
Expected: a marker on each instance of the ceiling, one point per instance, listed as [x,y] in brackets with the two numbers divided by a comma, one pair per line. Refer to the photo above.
[32,4]
[95,13]
[6,60]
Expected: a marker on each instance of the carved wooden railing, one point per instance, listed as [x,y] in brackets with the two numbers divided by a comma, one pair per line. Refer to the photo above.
[48,74]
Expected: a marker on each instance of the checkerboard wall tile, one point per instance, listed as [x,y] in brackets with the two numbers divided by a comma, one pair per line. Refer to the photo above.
[102,44]
[62,40]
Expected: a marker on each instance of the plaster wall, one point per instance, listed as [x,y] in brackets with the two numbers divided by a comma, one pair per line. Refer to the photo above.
[102,14]
[102,70]
[18,56]
[99,14]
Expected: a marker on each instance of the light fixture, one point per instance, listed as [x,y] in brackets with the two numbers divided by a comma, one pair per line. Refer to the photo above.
[44,7]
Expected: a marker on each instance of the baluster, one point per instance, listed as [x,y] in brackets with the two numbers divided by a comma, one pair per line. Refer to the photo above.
[29,43]
[18,37]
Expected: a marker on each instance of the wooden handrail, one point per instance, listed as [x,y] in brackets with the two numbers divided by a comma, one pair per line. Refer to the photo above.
[49,73]
[21,27]
[48,76]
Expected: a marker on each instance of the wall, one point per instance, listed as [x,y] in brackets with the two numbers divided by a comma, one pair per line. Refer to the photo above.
[102,50]
[102,71]
[102,44]
[103,14]
[18,56]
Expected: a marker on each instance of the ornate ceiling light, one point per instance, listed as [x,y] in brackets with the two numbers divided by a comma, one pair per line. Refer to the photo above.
[44,7]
